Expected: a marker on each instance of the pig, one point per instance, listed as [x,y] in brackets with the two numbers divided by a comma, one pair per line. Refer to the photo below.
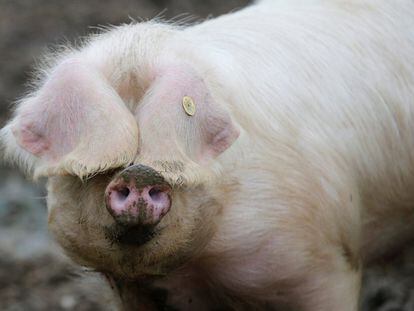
[255,161]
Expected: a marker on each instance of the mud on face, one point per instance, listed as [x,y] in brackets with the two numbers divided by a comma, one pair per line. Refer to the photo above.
[82,224]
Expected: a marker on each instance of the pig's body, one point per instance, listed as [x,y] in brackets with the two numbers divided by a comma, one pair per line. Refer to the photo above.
[325,165]
[317,178]
[324,90]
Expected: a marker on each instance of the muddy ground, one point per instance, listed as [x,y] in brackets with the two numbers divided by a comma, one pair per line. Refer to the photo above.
[33,273]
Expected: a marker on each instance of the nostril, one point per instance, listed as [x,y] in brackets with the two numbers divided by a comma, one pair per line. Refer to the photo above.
[156,194]
[122,193]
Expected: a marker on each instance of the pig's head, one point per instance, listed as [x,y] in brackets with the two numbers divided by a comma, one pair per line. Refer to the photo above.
[129,137]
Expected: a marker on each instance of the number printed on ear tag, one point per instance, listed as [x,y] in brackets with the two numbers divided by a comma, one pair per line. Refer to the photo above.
[189,105]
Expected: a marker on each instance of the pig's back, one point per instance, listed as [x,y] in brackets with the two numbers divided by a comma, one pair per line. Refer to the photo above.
[331,79]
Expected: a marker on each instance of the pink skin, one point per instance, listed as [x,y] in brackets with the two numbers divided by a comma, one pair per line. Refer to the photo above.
[132,205]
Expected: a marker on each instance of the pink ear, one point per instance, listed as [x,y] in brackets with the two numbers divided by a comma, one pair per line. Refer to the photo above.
[203,136]
[217,129]
[76,123]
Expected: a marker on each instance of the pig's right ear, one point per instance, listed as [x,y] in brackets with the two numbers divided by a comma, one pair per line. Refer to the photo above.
[75,124]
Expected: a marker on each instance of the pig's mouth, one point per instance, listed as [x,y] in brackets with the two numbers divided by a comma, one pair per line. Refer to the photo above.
[130,235]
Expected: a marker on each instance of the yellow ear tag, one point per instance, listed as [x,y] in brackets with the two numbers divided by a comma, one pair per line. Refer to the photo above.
[189,105]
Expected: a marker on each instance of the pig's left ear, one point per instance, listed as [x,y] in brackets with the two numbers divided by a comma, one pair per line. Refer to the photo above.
[210,129]
[75,124]
[217,130]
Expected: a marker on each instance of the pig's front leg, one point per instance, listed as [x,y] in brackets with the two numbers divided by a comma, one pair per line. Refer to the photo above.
[331,276]
[298,246]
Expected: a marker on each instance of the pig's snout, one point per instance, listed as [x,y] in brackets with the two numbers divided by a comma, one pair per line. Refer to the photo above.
[138,196]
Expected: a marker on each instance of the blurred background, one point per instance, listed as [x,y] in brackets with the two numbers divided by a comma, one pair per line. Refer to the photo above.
[34,275]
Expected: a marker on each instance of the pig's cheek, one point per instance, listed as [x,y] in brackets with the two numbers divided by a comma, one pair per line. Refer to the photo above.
[69,226]
[83,243]
[191,220]
[63,230]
